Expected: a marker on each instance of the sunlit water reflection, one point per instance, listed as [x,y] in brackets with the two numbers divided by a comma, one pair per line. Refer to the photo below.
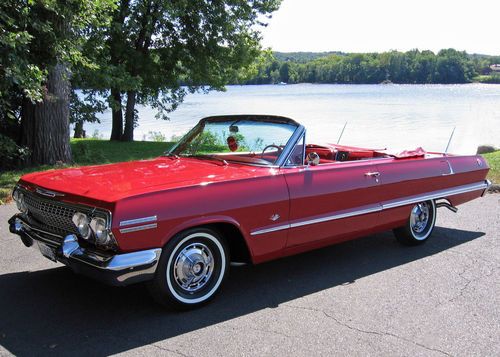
[393,116]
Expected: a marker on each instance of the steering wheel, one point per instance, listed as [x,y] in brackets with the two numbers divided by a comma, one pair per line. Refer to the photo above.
[270,146]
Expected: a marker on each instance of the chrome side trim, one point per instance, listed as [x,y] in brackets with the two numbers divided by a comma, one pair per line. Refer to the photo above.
[385,205]
[318,220]
[138,228]
[138,220]
[269,230]
[337,216]
[435,194]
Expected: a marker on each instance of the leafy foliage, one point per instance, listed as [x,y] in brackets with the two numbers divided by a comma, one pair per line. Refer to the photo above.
[35,38]
[447,66]
[85,109]
[157,51]
[11,155]
[493,78]
[157,136]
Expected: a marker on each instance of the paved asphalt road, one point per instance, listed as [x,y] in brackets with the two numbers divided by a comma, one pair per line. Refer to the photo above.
[366,297]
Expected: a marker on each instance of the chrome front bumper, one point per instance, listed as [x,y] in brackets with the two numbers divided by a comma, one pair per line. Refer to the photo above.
[118,269]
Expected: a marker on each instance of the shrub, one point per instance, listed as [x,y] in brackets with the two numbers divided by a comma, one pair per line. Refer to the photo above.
[484,149]
[96,135]
[12,155]
[156,136]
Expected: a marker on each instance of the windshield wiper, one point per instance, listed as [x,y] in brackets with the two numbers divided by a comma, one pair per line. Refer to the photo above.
[208,157]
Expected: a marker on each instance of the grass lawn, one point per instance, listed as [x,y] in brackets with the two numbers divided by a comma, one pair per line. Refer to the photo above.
[91,151]
[492,78]
[493,159]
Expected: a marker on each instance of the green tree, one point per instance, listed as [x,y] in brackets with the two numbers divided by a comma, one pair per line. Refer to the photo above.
[19,77]
[157,51]
[448,66]
[453,67]
[45,38]
[84,109]
[285,72]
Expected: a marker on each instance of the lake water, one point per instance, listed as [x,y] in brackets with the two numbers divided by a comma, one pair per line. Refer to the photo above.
[393,116]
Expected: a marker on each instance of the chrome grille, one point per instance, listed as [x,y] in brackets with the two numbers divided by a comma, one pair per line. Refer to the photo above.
[54,216]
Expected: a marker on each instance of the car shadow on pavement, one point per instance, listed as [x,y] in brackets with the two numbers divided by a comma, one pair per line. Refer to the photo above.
[57,312]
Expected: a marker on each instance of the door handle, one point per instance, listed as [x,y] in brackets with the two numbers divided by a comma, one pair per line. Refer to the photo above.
[372,174]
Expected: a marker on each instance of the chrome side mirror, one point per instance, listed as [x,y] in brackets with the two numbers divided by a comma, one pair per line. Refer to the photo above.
[312,159]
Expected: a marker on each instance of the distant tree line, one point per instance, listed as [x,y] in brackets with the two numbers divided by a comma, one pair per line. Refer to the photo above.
[412,67]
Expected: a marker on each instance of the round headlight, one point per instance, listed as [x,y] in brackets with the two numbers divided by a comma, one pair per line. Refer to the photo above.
[81,222]
[15,195]
[19,198]
[98,225]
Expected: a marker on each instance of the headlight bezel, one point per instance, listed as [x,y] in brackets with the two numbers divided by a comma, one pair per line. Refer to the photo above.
[15,194]
[99,231]
[18,197]
[82,224]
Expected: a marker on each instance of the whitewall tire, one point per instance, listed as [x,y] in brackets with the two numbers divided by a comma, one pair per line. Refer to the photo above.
[191,270]
[419,225]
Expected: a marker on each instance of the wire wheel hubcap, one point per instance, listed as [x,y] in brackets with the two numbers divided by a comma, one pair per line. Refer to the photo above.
[193,267]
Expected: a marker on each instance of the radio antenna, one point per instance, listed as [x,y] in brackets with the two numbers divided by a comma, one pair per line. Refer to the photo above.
[341,133]
[449,141]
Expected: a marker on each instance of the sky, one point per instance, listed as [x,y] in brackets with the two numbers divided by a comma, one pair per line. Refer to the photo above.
[383,25]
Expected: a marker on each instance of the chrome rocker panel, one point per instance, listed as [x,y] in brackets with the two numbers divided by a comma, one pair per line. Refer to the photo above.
[116,270]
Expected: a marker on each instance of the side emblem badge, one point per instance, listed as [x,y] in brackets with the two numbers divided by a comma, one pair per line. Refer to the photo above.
[274,217]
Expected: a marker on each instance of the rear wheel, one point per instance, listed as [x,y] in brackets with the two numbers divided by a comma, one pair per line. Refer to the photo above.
[191,270]
[420,224]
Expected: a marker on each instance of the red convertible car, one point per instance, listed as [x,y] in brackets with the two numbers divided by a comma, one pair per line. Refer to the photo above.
[241,188]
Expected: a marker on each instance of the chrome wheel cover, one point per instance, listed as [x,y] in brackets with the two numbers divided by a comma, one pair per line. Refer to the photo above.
[419,220]
[193,267]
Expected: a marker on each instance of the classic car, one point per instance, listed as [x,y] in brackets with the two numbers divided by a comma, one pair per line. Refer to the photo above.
[237,188]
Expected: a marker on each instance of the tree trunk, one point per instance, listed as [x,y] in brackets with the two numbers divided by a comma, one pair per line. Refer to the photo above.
[117,115]
[79,132]
[128,133]
[116,44]
[46,124]
[27,123]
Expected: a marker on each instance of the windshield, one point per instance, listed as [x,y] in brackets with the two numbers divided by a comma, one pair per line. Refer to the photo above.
[240,140]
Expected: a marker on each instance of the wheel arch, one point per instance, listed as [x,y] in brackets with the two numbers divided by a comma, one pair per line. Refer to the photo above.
[230,230]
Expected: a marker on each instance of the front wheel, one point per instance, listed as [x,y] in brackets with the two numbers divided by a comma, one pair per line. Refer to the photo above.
[191,270]
[419,226]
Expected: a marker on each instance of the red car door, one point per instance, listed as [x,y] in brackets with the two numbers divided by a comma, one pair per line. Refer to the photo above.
[332,202]
[407,178]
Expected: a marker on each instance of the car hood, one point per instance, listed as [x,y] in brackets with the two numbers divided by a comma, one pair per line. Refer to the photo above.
[112,182]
